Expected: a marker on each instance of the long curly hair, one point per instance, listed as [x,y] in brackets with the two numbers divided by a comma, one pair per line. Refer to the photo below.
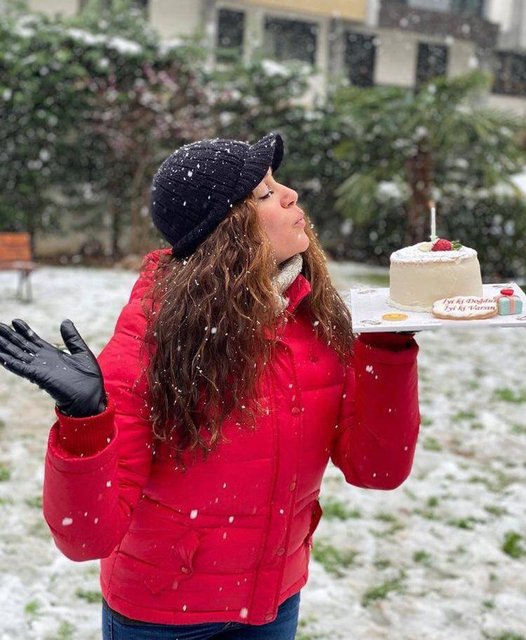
[211,323]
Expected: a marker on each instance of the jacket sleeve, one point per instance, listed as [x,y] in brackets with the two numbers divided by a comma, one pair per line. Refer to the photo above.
[379,417]
[96,467]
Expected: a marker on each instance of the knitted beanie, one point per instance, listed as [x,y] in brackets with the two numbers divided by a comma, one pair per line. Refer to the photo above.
[196,186]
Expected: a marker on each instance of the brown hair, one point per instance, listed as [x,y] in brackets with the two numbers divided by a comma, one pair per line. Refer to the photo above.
[214,313]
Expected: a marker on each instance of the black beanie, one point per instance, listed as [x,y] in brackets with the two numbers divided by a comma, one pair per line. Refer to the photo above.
[196,186]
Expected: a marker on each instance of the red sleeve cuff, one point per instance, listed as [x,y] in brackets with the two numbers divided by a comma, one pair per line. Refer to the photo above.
[387,340]
[88,436]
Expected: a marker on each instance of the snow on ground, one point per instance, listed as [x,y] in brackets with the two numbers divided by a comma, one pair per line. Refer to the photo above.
[442,557]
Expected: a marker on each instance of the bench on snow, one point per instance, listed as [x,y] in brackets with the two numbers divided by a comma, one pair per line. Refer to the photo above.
[15,255]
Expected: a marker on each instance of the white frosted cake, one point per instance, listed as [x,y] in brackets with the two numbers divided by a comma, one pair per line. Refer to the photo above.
[423,273]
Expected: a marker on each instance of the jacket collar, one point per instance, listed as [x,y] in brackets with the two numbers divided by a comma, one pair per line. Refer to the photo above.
[297,291]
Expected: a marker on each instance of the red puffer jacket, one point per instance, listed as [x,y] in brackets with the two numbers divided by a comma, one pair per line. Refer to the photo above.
[226,539]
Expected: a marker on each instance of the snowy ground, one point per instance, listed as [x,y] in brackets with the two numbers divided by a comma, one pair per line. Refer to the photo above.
[441,558]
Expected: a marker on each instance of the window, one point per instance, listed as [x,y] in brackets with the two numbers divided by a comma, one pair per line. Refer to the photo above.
[230,32]
[291,40]
[431,62]
[360,53]
[473,7]
[510,77]
[430,5]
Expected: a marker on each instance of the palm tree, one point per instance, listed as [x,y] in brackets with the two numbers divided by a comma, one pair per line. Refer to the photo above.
[423,141]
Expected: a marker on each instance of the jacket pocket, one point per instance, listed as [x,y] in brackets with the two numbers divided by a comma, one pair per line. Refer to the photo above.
[177,566]
[317,512]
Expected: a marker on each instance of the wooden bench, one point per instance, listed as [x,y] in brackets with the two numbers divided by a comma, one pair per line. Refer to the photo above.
[15,255]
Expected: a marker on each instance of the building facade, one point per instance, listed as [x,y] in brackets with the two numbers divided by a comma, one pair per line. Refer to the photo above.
[369,42]
[509,89]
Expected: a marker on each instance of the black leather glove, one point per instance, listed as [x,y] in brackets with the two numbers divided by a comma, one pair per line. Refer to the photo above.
[74,380]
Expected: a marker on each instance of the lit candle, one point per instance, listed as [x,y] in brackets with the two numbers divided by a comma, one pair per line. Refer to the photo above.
[433,221]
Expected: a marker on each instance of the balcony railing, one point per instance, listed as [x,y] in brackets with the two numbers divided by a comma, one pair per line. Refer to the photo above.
[465,25]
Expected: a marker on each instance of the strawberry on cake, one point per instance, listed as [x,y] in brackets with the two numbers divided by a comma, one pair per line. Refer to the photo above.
[429,271]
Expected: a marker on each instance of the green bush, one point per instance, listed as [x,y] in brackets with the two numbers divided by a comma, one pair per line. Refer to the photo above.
[495,227]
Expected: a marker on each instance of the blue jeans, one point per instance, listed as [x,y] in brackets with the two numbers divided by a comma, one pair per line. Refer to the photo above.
[117,627]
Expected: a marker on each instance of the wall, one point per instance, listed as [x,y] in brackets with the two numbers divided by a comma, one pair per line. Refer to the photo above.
[511,16]
[462,58]
[52,7]
[515,105]
[172,19]
[396,56]
[395,59]
[500,11]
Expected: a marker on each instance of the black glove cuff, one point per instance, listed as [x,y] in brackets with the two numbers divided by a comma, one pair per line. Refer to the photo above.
[85,411]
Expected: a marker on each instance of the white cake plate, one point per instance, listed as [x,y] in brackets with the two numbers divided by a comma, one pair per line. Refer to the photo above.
[368,305]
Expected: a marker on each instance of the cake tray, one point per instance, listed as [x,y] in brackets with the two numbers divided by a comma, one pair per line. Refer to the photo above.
[368,305]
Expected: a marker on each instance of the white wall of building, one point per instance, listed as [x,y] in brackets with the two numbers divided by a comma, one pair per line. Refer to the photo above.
[172,19]
[397,53]
[515,105]
[53,7]
[462,57]
[510,15]
[500,12]
[395,58]
[373,11]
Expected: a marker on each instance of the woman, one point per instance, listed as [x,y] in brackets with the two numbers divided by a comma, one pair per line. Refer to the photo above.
[190,457]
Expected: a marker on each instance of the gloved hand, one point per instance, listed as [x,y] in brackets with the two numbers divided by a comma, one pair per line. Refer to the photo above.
[74,380]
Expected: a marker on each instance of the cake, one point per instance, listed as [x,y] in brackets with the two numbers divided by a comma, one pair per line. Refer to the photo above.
[429,271]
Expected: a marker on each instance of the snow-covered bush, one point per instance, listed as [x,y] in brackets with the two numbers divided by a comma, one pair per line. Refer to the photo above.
[98,101]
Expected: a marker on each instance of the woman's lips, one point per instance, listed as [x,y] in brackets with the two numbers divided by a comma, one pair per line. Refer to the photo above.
[300,222]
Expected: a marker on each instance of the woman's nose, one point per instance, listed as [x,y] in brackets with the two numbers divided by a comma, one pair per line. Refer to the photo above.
[289,197]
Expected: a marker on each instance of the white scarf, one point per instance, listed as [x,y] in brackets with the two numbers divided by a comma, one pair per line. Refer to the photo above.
[288,272]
